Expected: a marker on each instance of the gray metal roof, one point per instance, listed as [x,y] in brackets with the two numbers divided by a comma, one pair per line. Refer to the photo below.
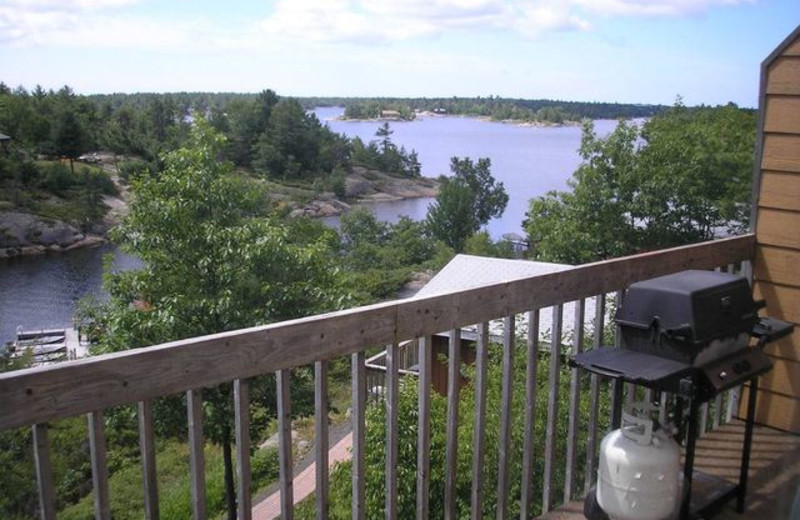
[469,272]
[4,137]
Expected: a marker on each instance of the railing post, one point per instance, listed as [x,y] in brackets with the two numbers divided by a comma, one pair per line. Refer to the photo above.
[451,448]
[321,434]
[392,401]
[506,397]
[147,449]
[423,430]
[194,401]
[285,444]
[97,448]
[359,435]
[552,408]
[594,394]
[44,472]
[241,401]
[479,434]
[574,403]
[531,378]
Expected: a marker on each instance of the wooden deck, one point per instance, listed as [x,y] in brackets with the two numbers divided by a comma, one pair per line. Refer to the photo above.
[774,472]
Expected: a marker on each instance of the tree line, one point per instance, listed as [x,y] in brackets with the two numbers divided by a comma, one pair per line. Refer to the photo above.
[493,107]
[682,177]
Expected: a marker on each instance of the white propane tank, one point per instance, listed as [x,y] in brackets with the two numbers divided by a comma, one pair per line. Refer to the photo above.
[639,474]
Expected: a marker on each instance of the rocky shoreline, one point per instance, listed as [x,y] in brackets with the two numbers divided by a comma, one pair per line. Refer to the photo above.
[365,185]
[24,234]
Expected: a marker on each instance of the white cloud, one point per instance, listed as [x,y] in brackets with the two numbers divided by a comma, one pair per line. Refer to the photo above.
[652,7]
[65,29]
[108,23]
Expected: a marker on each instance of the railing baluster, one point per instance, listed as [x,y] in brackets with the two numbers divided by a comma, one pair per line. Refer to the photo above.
[506,397]
[194,401]
[703,419]
[392,401]
[321,437]
[594,394]
[574,403]
[531,369]
[44,472]
[732,407]
[97,450]
[423,430]
[723,399]
[552,409]
[241,401]
[285,444]
[451,448]
[359,409]
[617,344]
[148,453]
[479,433]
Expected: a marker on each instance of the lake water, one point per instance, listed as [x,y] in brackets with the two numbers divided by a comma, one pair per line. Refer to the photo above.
[42,292]
[530,161]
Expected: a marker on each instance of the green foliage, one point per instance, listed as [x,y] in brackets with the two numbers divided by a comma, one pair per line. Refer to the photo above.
[213,261]
[466,201]
[451,218]
[684,177]
[380,257]
[382,154]
[481,244]
[294,145]
[172,461]
[494,107]
[69,457]
[375,109]
[340,489]
[130,169]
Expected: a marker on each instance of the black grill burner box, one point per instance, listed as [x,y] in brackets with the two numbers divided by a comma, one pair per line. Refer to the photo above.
[680,316]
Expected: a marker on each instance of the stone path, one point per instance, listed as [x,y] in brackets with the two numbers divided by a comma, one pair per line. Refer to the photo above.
[304,483]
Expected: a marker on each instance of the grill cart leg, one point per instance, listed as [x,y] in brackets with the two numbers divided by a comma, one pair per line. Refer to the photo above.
[688,467]
[616,404]
[748,443]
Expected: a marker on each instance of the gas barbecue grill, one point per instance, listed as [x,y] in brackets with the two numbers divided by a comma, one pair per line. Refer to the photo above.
[688,334]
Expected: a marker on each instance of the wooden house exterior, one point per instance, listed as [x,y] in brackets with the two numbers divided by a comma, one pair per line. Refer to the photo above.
[776,222]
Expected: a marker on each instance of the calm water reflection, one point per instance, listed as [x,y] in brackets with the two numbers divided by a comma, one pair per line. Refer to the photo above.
[42,291]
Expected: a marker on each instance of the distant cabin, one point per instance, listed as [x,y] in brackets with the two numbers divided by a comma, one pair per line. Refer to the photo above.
[391,114]
[4,142]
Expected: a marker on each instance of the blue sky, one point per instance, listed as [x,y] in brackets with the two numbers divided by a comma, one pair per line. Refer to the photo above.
[641,51]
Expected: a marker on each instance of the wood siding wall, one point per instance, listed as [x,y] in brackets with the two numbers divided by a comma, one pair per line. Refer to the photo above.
[777,226]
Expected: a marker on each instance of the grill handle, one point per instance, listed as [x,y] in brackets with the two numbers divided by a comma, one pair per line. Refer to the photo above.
[684,330]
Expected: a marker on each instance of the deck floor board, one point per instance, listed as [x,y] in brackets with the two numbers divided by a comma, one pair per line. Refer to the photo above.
[774,471]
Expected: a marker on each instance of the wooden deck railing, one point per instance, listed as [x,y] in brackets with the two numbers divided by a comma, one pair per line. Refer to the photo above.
[35,396]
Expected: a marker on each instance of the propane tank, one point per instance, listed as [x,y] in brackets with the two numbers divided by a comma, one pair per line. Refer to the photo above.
[639,473]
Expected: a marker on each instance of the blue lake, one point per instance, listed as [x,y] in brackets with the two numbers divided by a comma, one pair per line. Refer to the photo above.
[42,292]
[529,161]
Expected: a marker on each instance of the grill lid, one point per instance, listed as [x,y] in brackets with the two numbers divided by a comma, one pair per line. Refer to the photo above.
[690,307]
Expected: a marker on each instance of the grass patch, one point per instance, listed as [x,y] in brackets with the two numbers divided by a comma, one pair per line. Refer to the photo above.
[172,462]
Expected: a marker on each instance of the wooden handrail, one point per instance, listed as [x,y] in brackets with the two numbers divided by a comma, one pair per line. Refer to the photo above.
[43,394]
